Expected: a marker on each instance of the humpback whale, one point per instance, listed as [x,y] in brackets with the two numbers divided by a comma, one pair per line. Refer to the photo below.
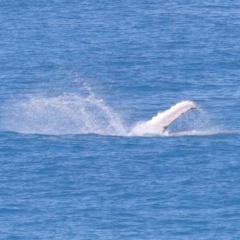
[159,123]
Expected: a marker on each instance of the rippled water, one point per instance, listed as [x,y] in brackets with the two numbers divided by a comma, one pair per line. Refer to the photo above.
[76,79]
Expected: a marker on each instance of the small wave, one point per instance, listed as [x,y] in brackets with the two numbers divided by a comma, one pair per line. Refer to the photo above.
[201,133]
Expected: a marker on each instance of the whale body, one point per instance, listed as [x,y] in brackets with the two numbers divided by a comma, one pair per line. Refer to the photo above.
[159,123]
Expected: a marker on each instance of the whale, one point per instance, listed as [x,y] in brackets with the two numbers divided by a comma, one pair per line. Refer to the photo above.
[159,123]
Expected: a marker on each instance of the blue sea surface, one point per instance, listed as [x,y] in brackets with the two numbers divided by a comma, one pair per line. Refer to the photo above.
[77,77]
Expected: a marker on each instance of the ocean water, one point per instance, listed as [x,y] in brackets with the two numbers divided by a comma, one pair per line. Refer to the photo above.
[77,77]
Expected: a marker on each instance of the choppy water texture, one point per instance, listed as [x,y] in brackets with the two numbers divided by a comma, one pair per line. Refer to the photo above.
[76,78]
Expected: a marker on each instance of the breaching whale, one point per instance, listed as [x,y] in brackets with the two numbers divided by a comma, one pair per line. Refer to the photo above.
[159,123]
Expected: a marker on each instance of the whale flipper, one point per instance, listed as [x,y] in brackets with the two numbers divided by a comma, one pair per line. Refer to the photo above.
[163,119]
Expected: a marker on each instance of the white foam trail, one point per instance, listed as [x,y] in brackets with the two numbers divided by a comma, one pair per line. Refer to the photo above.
[198,133]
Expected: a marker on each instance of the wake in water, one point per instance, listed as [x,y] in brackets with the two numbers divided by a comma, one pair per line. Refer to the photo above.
[75,114]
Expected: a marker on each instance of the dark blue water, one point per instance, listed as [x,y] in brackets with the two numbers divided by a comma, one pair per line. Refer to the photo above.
[76,77]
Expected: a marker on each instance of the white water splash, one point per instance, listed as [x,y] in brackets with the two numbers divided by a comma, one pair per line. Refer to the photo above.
[65,114]
[86,114]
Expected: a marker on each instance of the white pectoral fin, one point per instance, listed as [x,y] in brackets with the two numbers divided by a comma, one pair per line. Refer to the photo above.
[163,119]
